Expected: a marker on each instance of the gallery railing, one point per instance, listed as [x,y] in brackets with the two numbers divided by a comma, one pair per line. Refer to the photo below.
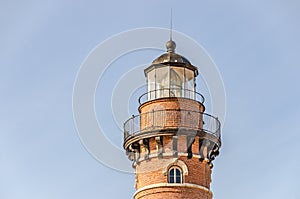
[171,92]
[172,119]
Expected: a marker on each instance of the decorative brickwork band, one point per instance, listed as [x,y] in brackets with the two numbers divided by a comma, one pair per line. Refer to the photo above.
[165,190]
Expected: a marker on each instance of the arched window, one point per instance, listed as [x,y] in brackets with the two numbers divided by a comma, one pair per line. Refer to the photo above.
[175,175]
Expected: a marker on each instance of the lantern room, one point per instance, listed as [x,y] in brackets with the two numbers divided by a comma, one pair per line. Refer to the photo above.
[171,75]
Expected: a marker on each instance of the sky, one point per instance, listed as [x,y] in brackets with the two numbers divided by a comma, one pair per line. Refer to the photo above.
[255,45]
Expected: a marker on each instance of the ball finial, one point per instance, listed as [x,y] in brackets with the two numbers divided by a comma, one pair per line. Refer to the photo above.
[171,45]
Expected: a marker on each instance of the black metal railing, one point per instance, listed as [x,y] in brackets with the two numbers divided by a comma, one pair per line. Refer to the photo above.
[164,119]
[171,92]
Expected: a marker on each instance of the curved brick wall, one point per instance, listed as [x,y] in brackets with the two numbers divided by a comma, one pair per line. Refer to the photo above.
[176,192]
[169,136]
[172,103]
[171,113]
[152,171]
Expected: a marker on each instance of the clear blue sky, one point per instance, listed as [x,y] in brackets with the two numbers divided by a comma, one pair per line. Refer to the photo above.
[43,43]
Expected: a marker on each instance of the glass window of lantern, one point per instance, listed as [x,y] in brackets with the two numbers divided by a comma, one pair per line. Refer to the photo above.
[151,85]
[176,81]
[162,82]
[189,83]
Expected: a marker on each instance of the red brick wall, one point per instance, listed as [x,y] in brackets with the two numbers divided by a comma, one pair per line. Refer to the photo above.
[173,193]
[171,103]
[154,170]
[156,115]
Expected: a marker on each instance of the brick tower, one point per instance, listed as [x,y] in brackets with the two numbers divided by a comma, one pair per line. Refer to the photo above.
[172,142]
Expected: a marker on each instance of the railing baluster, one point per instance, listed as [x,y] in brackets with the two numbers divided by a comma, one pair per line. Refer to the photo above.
[153,118]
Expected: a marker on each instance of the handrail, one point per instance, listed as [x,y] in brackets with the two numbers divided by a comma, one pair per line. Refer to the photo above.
[171,92]
[170,118]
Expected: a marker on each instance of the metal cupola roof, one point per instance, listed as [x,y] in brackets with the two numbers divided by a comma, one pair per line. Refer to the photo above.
[170,56]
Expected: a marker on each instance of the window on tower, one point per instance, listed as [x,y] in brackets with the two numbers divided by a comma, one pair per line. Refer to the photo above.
[175,175]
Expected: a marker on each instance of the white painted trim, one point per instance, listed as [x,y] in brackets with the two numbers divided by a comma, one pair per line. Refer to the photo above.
[163,185]
[176,162]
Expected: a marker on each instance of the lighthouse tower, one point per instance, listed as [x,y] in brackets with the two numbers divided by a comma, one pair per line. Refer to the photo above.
[172,142]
